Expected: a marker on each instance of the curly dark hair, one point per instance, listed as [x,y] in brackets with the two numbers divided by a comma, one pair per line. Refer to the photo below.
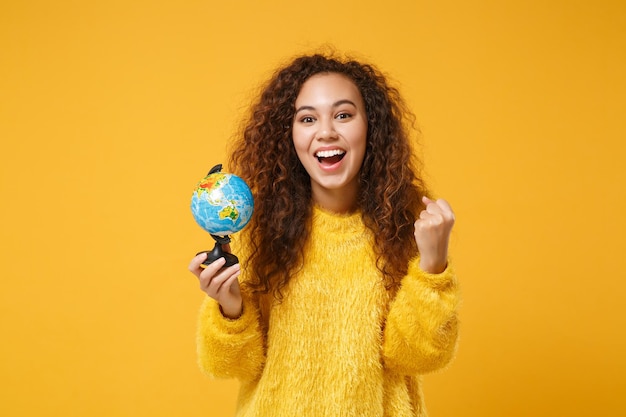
[264,156]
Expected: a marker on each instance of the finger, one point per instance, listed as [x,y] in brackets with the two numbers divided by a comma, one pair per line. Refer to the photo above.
[194,265]
[428,221]
[217,283]
[228,282]
[206,274]
[218,286]
[431,205]
[446,212]
[214,267]
[434,208]
[445,206]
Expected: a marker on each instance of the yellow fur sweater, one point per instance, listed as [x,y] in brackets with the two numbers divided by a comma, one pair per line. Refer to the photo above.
[339,344]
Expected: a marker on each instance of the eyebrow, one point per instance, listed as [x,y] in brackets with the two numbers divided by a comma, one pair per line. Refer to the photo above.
[336,104]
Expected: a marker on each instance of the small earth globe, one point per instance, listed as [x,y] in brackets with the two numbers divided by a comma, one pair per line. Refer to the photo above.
[222,203]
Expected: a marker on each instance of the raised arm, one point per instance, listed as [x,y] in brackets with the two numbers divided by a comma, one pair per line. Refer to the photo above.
[422,326]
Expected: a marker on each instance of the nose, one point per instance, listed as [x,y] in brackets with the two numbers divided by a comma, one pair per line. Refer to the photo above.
[326,130]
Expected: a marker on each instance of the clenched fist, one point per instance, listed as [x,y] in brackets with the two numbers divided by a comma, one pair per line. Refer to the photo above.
[432,235]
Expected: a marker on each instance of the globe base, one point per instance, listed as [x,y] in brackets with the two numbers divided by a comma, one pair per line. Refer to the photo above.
[216,253]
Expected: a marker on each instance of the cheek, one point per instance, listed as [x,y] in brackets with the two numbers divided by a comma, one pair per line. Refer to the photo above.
[300,147]
[300,140]
[359,140]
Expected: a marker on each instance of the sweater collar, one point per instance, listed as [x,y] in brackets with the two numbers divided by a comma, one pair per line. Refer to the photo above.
[339,223]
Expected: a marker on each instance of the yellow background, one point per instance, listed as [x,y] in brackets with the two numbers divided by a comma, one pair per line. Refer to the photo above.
[111,111]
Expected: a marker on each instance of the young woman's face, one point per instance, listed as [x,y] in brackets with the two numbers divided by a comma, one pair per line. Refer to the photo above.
[330,134]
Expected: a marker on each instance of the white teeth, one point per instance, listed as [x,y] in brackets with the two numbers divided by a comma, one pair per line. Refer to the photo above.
[328,154]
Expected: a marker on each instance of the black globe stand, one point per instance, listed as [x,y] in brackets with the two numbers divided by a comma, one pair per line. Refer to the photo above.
[218,252]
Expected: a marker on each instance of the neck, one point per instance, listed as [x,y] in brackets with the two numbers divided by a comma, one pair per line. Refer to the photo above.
[338,201]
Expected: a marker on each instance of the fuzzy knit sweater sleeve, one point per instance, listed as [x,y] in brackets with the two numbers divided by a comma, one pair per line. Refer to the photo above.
[230,348]
[421,330]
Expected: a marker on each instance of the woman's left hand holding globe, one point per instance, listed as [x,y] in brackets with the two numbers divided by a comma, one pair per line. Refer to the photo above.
[220,283]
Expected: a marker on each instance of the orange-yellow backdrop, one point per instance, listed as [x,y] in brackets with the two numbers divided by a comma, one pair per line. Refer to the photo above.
[110,111]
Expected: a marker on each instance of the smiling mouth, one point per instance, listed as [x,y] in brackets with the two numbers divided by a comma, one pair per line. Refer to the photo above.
[330,157]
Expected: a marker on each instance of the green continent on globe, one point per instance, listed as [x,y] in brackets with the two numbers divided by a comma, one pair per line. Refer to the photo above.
[229,212]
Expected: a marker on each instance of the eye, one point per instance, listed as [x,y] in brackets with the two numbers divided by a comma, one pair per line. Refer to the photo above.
[307,119]
[343,116]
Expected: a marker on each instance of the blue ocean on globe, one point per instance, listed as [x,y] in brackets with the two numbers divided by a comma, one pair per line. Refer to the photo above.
[222,204]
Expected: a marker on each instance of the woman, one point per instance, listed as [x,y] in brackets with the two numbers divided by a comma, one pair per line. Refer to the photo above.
[345,296]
